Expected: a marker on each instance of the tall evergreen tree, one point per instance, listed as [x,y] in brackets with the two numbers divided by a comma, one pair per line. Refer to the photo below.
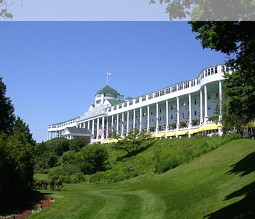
[7,117]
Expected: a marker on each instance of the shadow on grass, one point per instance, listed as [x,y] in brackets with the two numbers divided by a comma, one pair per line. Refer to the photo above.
[245,207]
[135,152]
[244,166]
[30,204]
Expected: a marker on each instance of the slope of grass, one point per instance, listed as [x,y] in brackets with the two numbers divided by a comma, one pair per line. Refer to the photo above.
[219,184]
[156,156]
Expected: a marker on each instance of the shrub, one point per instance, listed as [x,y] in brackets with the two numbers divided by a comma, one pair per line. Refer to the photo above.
[93,158]
[165,165]
[67,173]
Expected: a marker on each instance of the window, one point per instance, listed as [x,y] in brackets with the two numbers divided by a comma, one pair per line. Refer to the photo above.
[137,100]
[209,96]
[156,94]
[130,102]
[193,83]
[168,90]
[180,86]
[223,68]
[195,113]
[212,71]
[162,92]
[217,95]
[215,70]
[186,85]
[195,101]
[143,98]
[125,104]
[150,96]
[174,88]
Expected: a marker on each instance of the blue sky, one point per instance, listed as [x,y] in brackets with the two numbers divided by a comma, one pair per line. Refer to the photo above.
[87,10]
[53,69]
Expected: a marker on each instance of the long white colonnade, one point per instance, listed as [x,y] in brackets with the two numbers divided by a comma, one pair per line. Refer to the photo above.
[182,109]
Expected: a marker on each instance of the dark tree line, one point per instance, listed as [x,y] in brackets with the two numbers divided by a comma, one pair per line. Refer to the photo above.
[16,156]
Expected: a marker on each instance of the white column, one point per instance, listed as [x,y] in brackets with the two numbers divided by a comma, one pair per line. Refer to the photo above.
[220,132]
[177,115]
[117,124]
[201,106]
[148,118]
[97,128]
[127,129]
[112,126]
[206,106]
[141,118]
[107,127]
[157,118]
[190,115]
[102,132]
[167,116]
[122,124]
[134,119]
[93,129]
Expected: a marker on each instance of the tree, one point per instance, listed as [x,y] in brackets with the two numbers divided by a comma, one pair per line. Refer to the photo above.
[58,145]
[230,10]
[237,40]
[78,142]
[4,12]
[16,166]
[92,158]
[16,156]
[133,142]
[7,117]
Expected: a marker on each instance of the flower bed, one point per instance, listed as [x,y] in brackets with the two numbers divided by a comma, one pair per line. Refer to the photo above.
[44,203]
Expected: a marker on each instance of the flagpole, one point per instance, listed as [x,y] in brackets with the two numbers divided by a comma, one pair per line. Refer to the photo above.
[107,76]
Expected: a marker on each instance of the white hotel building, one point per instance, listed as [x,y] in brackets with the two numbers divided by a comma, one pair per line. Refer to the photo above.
[183,109]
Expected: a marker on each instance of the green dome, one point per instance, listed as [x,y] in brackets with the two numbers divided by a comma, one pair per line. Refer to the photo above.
[108,90]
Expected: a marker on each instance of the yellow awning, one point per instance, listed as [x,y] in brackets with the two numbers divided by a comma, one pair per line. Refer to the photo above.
[161,135]
[208,127]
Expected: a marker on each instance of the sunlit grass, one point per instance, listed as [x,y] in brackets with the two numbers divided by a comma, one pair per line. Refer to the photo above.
[192,190]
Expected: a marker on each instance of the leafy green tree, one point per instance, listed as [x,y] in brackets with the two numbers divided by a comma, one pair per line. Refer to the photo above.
[4,6]
[58,145]
[230,121]
[68,157]
[44,157]
[93,158]
[7,117]
[78,142]
[237,40]
[133,142]
[16,166]
[230,10]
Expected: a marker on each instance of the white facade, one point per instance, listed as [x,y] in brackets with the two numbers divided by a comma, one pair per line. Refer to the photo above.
[186,108]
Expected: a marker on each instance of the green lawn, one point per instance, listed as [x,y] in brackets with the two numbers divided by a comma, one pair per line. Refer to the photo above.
[220,184]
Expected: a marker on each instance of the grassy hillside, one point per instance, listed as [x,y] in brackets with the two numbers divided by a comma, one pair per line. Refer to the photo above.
[219,184]
[156,156]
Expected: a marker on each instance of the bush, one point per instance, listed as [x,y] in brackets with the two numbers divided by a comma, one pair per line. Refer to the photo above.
[93,158]
[68,157]
[67,173]
[166,165]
